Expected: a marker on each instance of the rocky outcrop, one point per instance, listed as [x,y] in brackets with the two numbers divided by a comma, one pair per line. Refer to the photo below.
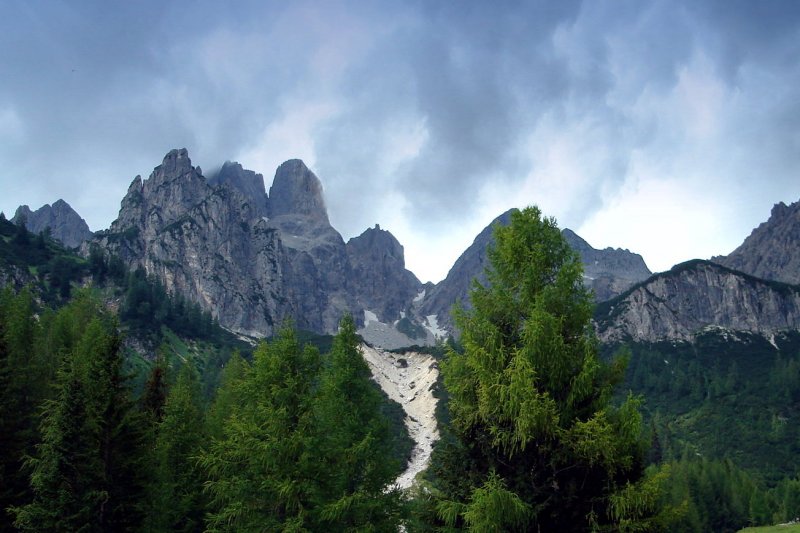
[772,251]
[205,242]
[608,272]
[678,304]
[297,191]
[379,276]
[247,182]
[62,221]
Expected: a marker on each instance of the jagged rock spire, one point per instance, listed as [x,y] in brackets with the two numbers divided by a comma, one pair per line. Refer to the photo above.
[297,191]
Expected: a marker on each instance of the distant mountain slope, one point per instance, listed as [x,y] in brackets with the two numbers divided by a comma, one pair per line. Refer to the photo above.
[609,271]
[772,251]
[65,224]
[680,303]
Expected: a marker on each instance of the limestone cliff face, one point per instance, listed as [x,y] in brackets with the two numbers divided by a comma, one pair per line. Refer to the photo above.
[297,191]
[205,242]
[677,304]
[247,182]
[609,272]
[772,251]
[64,223]
[380,279]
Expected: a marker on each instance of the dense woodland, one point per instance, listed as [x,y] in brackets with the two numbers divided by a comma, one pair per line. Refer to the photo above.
[542,430]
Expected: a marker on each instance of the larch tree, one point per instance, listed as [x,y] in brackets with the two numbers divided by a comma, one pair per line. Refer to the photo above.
[539,446]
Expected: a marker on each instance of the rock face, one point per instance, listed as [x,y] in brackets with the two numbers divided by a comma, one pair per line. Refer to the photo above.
[212,242]
[609,272]
[380,279]
[772,251]
[65,224]
[297,191]
[205,242]
[247,182]
[678,304]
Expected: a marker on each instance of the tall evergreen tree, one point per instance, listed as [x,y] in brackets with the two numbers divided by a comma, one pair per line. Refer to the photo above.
[354,443]
[86,474]
[176,494]
[539,445]
[22,389]
[260,470]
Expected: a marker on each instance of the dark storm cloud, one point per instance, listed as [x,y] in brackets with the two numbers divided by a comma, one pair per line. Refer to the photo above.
[441,110]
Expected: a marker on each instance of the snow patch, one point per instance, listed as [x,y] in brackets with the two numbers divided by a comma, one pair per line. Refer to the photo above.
[420,296]
[409,380]
[432,325]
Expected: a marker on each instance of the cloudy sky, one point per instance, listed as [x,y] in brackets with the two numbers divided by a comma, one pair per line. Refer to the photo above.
[669,128]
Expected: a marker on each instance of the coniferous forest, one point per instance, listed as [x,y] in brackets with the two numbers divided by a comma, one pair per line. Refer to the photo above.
[542,428]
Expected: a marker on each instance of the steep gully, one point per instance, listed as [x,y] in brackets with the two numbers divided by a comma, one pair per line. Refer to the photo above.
[409,379]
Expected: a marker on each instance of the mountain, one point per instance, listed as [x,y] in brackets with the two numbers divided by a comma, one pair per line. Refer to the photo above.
[256,259]
[609,272]
[65,224]
[454,288]
[247,182]
[203,241]
[772,251]
[383,284]
[694,296]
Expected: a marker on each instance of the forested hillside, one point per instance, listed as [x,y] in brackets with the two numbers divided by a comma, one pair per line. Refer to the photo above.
[127,408]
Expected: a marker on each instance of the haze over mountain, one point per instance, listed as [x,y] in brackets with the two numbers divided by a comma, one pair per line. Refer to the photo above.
[639,125]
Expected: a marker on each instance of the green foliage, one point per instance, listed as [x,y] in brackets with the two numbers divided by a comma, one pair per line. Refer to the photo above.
[724,396]
[299,445]
[176,499]
[85,472]
[529,396]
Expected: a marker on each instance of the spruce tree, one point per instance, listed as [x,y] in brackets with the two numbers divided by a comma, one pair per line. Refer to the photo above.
[86,470]
[539,445]
[176,494]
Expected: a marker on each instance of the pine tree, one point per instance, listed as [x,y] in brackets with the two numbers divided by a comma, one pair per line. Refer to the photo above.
[539,445]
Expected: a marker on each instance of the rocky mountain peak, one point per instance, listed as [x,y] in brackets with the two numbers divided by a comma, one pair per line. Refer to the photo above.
[64,223]
[609,271]
[247,182]
[173,187]
[297,191]
[772,251]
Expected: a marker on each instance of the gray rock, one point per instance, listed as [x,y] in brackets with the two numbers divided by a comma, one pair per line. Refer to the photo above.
[297,191]
[608,272]
[678,304]
[379,276]
[247,182]
[63,222]
[772,251]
